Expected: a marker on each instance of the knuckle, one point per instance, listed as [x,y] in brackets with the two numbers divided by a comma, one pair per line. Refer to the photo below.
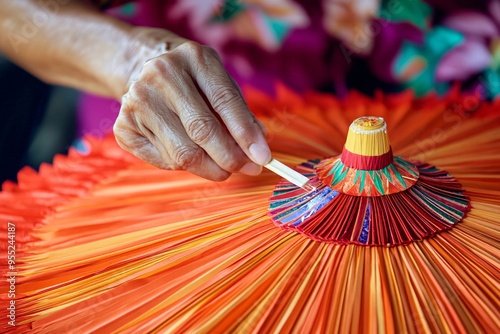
[120,130]
[193,48]
[232,164]
[204,55]
[160,67]
[210,53]
[125,130]
[224,98]
[242,132]
[219,177]
[136,95]
[157,63]
[127,117]
[201,129]
[120,139]
[124,141]
[186,157]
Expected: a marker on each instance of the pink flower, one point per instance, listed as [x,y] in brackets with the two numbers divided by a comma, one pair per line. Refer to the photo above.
[473,55]
[252,22]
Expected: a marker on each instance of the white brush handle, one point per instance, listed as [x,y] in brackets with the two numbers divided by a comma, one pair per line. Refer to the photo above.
[286,172]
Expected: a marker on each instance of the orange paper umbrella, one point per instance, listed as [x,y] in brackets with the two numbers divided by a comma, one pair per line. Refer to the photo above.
[106,243]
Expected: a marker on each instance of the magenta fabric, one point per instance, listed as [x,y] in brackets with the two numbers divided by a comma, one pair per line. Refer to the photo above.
[308,57]
[387,45]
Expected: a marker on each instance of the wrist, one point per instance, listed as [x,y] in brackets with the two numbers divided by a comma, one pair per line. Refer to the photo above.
[144,44]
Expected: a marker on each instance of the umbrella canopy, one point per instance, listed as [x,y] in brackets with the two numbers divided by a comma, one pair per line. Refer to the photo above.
[106,243]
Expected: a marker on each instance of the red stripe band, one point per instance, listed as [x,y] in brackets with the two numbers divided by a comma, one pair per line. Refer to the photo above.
[363,162]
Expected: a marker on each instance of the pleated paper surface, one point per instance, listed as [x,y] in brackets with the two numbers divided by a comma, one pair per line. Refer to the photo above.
[108,244]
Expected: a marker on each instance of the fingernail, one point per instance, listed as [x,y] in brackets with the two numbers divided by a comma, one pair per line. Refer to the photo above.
[251,168]
[260,153]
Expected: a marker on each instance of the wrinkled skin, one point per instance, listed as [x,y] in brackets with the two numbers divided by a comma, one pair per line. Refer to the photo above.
[180,108]
[185,112]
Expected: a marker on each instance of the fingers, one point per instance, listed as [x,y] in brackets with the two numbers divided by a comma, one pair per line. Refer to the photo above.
[185,112]
[204,129]
[199,122]
[226,100]
[180,149]
[139,146]
[159,137]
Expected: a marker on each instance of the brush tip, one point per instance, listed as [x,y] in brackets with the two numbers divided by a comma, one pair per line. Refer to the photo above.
[308,187]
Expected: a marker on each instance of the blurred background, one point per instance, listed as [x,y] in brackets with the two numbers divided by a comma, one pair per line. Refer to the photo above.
[37,120]
[427,47]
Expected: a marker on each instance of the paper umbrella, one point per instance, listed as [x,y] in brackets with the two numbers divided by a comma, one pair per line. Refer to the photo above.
[399,235]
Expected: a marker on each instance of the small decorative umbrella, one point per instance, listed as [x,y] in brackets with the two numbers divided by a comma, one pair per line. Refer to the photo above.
[390,243]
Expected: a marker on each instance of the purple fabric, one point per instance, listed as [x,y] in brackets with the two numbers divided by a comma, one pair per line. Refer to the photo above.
[473,24]
[310,58]
[387,44]
[473,55]
[96,116]
[494,9]
[301,63]
[462,62]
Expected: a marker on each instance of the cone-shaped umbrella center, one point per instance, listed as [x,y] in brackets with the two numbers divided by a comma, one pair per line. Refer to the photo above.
[367,145]
[367,196]
[367,166]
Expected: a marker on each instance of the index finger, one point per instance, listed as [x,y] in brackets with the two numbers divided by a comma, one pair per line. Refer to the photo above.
[226,100]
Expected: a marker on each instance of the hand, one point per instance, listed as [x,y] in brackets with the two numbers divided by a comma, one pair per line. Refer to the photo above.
[185,112]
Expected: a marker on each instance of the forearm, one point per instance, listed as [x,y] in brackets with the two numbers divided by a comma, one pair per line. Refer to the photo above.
[183,110]
[70,43]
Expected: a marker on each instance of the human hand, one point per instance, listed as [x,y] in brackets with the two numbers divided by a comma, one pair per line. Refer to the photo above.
[185,112]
